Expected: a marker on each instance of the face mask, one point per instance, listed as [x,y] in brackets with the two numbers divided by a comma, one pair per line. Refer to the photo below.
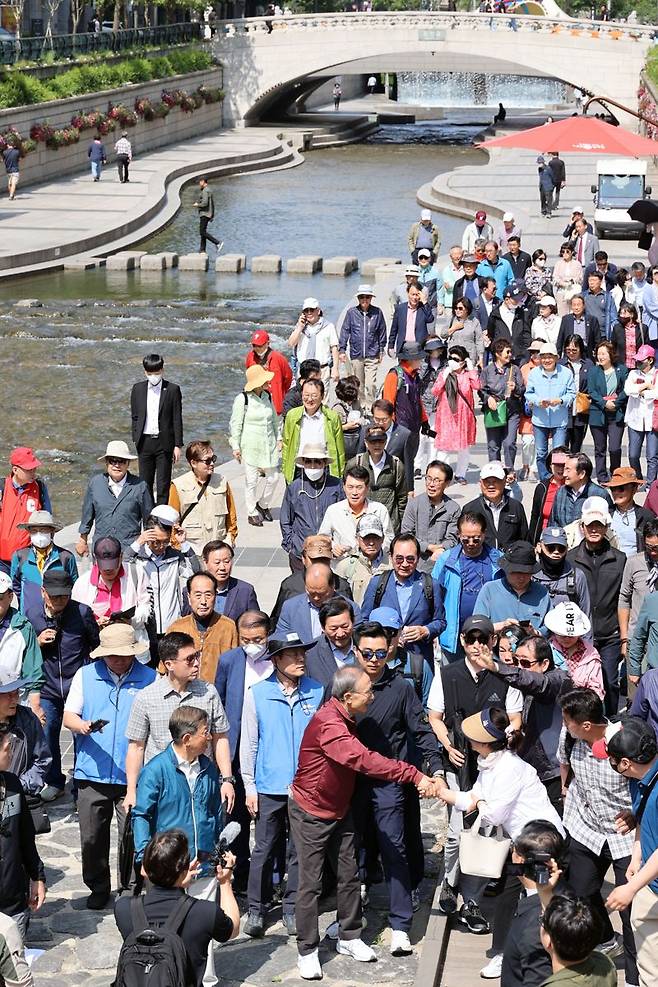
[624,319]
[454,364]
[254,651]
[154,378]
[41,539]
[539,262]
[435,362]
[314,474]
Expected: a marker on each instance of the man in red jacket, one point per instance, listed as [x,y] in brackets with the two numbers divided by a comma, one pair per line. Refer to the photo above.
[273,361]
[21,494]
[321,821]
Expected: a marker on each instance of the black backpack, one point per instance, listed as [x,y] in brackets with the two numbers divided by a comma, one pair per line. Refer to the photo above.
[154,957]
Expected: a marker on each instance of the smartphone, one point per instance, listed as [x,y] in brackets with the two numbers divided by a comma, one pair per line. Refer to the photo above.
[98,725]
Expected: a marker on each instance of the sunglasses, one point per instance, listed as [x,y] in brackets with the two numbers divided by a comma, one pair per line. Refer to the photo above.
[525,662]
[194,659]
[400,559]
[560,549]
[209,460]
[116,462]
[476,638]
[471,540]
[380,654]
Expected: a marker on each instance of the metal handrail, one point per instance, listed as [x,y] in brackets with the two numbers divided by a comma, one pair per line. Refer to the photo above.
[69,45]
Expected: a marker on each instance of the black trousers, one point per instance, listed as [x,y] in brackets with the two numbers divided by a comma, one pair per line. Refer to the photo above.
[607,436]
[97,803]
[204,234]
[316,840]
[610,652]
[271,824]
[123,161]
[154,461]
[240,847]
[587,872]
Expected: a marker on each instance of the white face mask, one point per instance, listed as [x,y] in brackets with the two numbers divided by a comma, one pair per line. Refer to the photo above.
[454,364]
[314,474]
[154,378]
[434,362]
[41,539]
[540,262]
[254,651]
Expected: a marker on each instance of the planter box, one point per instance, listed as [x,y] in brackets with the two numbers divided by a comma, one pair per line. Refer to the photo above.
[44,165]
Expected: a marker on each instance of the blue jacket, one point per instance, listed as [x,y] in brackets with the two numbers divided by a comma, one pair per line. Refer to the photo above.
[447,576]
[320,662]
[295,618]
[542,387]
[303,508]
[498,601]
[363,333]
[164,801]
[598,391]
[565,509]
[502,273]
[280,731]
[101,756]
[121,517]
[96,152]
[241,596]
[77,636]
[424,318]
[601,305]
[419,611]
[229,682]
[26,578]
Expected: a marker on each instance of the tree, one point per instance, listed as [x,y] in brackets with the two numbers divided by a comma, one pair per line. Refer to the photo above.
[52,6]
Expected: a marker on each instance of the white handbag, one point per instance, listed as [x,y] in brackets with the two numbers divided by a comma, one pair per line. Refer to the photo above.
[483,856]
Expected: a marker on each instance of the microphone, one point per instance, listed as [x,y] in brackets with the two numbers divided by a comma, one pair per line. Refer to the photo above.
[227,836]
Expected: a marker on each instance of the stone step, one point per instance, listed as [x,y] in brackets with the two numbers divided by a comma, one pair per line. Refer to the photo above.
[231,263]
[266,264]
[369,267]
[340,266]
[84,263]
[308,264]
[125,260]
[193,262]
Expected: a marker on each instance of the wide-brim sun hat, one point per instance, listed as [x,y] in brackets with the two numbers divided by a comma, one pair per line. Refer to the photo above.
[117,449]
[312,451]
[40,519]
[257,376]
[118,639]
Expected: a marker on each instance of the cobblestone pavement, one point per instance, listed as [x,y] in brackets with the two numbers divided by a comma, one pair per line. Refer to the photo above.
[80,947]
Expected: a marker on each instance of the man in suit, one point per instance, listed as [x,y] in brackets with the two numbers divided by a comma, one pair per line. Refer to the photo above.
[301,614]
[602,264]
[239,669]
[569,233]
[585,243]
[486,302]
[410,593]
[599,303]
[316,548]
[580,322]
[397,436]
[156,408]
[234,596]
[519,260]
[334,647]
[422,317]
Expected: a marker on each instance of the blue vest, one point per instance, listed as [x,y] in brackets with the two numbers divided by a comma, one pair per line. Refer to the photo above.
[280,731]
[101,756]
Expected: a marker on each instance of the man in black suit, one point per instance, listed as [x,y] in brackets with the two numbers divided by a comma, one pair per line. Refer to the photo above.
[578,322]
[334,648]
[397,436]
[317,548]
[519,260]
[506,520]
[156,408]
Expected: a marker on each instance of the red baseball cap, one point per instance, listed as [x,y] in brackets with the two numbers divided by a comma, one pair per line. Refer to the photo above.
[25,458]
[260,338]
[480,216]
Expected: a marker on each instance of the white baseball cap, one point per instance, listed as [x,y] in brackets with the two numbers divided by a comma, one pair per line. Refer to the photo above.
[494,468]
[365,289]
[595,509]
[548,349]
[5,582]
[426,214]
[310,303]
[168,515]
[508,217]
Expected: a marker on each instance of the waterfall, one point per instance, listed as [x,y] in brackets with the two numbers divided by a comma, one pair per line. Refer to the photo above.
[447,89]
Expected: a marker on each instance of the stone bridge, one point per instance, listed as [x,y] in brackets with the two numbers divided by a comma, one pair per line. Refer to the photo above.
[263,70]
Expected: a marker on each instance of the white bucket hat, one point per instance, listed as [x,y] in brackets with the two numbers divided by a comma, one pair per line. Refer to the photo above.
[567,620]
[117,450]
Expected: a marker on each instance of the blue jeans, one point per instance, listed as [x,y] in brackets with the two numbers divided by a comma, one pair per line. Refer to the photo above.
[96,169]
[542,436]
[635,443]
[54,710]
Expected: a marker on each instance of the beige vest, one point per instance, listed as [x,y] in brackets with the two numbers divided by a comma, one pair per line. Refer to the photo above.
[207,519]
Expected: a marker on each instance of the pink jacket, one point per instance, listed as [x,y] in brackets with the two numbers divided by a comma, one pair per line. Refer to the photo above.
[583,664]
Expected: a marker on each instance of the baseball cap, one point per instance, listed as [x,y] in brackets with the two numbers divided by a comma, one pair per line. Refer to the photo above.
[8,684]
[375,433]
[57,582]
[534,346]
[369,524]
[548,349]
[645,353]
[310,303]
[519,556]
[387,617]
[365,289]
[166,515]
[317,547]
[411,269]
[631,737]
[595,509]
[5,582]
[553,536]
[516,290]
[424,252]
[24,458]
[478,622]
[480,216]
[493,469]
[578,209]
[426,214]
[260,338]
[546,300]
[107,552]
[508,217]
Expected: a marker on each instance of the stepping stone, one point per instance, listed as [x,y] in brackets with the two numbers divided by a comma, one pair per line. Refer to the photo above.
[193,262]
[231,263]
[338,266]
[170,258]
[28,303]
[308,264]
[266,264]
[123,261]
[152,262]
[84,263]
[369,267]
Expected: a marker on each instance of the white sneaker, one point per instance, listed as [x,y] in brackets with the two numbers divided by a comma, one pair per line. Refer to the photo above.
[357,949]
[493,968]
[309,966]
[333,930]
[612,948]
[400,945]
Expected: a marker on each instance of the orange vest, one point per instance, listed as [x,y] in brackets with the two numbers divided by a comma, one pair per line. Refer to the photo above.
[15,509]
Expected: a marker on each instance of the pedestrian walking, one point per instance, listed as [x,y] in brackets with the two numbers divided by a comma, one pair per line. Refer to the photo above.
[205,205]
[363,334]
[336,93]
[546,189]
[550,392]
[156,409]
[558,171]
[11,157]
[116,502]
[607,409]
[567,278]
[455,424]
[502,390]
[641,386]
[97,157]
[124,152]
[254,440]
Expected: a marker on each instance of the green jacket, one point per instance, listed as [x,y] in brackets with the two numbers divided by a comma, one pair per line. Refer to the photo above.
[253,430]
[333,434]
[595,971]
[20,654]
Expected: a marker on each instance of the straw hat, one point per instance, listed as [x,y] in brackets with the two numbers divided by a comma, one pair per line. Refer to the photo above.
[257,376]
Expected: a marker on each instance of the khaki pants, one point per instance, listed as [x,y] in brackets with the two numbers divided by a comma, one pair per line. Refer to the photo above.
[366,371]
[644,919]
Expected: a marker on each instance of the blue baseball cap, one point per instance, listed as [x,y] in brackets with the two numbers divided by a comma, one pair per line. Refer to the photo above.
[387,617]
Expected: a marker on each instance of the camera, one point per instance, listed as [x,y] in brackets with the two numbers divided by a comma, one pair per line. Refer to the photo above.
[227,836]
[535,868]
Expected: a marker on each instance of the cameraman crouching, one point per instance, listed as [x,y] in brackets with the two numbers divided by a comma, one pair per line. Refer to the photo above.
[167,866]
[525,961]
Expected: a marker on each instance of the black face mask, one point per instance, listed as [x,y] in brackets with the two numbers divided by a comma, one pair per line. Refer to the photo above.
[551,566]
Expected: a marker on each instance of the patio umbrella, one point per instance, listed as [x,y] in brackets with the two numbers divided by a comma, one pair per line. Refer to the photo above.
[579,134]
[644,211]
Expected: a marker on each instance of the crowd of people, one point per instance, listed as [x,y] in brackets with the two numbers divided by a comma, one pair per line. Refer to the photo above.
[499,660]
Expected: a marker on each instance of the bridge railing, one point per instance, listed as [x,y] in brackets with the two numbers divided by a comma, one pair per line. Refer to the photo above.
[431,20]
[70,45]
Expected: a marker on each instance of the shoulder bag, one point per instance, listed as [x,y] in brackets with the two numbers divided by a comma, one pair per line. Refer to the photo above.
[498,417]
[483,856]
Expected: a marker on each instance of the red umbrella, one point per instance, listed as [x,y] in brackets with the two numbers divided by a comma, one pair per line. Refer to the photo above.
[581,134]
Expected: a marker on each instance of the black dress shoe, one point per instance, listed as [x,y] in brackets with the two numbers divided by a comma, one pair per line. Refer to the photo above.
[264,513]
[98,900]
[256,520]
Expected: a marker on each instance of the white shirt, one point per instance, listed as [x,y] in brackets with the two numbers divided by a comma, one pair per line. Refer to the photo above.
[496,511]
[340,523]
[256,670]
[153,392]
[639,409]
[190,769]
[312,430]
[436,701]
[115,487]
[378,467]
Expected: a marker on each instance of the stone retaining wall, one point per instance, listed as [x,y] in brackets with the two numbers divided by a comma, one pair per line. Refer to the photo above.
[45,164]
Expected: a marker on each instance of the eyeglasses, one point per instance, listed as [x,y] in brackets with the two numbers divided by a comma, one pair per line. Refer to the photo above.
[209,460]
[476,638]
[431,480]
[111,461]
[525,662]
[194,659]
[368,692]
[380,654]
[401,559]
[160,543]
[471,539]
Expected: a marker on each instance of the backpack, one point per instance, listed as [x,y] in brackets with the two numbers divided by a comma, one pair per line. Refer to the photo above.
[157,958]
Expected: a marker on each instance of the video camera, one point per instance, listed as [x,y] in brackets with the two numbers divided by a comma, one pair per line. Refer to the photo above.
[534,867]
[227,837]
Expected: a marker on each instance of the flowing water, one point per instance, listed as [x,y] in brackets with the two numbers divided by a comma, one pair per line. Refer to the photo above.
[455,89]
[69,366]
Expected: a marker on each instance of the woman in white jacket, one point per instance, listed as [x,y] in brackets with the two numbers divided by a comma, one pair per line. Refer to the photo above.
[642,389]
[114,590]
[546,326]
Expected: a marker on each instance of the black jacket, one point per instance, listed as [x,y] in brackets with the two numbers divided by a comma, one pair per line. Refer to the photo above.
[293,585]
[520,337]
[519,264]
[604,574]
[592,334]
[512,523]
[397,445]
[77,636]
[293,399]
[538,501]
[525,961]
[320,661]
[19,859]
[458,288]
[618,338]
[170,414]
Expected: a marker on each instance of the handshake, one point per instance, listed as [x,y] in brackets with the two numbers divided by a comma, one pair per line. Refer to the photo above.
[431,788]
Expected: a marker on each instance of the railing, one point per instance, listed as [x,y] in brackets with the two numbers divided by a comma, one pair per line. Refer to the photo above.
[431,20]
[70,45]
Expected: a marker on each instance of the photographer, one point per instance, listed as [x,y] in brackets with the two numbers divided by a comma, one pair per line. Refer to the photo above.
[168,868]
[525,961]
